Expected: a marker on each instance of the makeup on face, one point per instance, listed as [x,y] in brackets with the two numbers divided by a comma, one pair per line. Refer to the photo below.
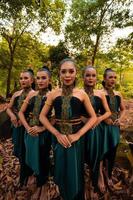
[25,80]
[90,77]
[67,73]
[110,79]
[42,79]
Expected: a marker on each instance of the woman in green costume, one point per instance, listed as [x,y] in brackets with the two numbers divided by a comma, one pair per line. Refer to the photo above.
[26,80]
[68,141]
[37,138]
[112,134]
[94,138]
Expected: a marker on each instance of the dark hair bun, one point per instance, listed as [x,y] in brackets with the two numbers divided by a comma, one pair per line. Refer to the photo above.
[108,69]
[31,71]
[103,83]
[45,67]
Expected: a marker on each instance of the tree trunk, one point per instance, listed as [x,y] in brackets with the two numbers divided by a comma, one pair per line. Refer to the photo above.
[120,75]
[95,50]
[9,76]
[99,33]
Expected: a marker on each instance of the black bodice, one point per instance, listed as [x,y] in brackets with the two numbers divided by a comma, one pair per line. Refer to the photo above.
[117,102]
[96,104]
[33,110]
[75,107]
[18,101]
[32,103]
[15,105]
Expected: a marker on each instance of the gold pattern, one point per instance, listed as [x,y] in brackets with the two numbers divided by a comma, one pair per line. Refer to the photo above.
[34,116]
[90,91]
[112,103]
[66,109]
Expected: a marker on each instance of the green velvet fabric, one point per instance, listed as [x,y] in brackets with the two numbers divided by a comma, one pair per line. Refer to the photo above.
[69,162]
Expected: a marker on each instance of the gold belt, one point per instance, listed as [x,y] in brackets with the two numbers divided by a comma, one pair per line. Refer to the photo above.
[72,121]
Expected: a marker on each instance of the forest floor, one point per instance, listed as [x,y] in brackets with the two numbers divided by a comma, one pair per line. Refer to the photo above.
[122,173]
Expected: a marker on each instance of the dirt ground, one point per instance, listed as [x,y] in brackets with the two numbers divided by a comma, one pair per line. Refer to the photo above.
[128,118]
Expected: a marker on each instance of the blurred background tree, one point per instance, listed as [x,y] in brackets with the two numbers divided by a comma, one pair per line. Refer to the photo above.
[87,27]
[18,17]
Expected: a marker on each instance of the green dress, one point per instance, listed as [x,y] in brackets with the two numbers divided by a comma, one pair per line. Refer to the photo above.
[18,132]
[94,144]
[112,135]
[69,162]
[18,141]
[37,147]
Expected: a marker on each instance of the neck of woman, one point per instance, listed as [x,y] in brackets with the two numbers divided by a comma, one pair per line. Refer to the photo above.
[43,92]
[27,89]
[89,90]
[67,90]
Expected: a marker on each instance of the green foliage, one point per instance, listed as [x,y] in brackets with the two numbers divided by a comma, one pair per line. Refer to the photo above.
[3,75]
[51,14]
[19,17]
[121,58]
[91,21]
[56,54]
[127,87]
[4,53]
[30,53]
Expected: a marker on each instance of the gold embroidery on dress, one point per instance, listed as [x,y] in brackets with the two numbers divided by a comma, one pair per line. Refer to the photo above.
[66,128]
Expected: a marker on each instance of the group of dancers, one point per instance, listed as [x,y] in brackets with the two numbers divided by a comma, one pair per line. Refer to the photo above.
[80,126]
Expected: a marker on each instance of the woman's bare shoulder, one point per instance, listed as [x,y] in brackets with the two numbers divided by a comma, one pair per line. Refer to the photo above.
[100,93]
[117,93]
[55,92]
[18,93]
[79,90]
[80,93]
[32,94]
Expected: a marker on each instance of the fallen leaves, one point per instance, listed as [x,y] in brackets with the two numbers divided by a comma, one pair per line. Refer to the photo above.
[9,174]
[9,177]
